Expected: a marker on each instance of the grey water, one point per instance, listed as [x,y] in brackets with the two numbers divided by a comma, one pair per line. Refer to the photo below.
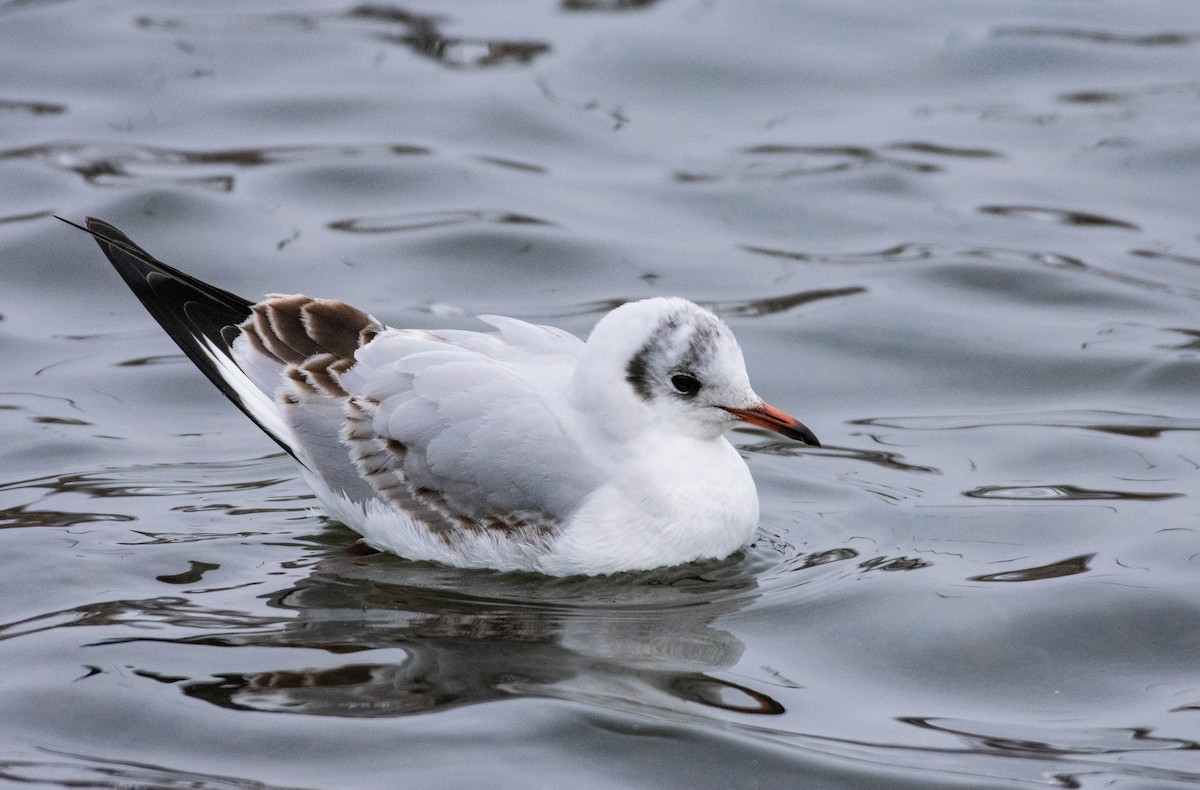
[961,241]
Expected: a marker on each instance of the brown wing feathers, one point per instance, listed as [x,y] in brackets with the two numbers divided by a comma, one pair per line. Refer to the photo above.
[314,338]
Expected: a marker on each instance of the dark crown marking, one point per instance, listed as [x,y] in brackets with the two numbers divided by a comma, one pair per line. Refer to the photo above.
[700,349]
[637,371]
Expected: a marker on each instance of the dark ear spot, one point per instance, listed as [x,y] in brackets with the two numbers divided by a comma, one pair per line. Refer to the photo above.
[637,373]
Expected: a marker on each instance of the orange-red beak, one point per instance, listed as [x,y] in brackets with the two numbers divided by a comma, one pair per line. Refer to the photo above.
[773,419]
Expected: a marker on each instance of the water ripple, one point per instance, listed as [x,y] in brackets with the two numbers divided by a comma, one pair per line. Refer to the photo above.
[194,573]
[32,107]
[1054,570]
[606,5]
[1053,740]
[913,252]
[1192,335]
[165,610]
[1166,256]
[79,770]
[756,308]
[940,149]
[106,164]
[1142,426]
[744,308]
[782,162]
[433,219]
[884,458]
[1188,91]
[22,516]
[894,564]
[423,36]
[899,254]
[1165,39]
[1042,493]
[420,33]
[1061,216]
[138,481]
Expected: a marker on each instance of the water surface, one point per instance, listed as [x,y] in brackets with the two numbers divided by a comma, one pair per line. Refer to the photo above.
[959,241]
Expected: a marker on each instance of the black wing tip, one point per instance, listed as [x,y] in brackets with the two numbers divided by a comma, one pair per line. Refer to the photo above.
[134,264]
[105,232]
[201,318]
[196,315]
[185,306]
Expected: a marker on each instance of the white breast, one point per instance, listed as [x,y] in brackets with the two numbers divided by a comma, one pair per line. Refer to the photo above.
[676,501]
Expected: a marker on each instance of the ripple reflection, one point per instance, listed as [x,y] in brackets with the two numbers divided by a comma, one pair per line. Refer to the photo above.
[423,36]
[912,252]
[1142,426]
[420,33]
[783,162]
[1167,39]
[80,770]
[32,107]
[433,219]
[1061,216]
[196,482]
[883,458]
[1054,570]
[643,641]
[108,164]
[1054,740]
[1064,492]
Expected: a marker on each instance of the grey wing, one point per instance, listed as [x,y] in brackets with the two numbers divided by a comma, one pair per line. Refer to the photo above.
[455,428]
[444,426]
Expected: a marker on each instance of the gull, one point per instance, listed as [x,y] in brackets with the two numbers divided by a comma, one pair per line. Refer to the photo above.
[519,449]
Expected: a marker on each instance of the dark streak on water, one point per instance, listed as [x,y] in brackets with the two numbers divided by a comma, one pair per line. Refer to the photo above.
[979,219]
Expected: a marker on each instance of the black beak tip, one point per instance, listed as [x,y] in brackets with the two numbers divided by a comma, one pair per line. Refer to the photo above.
[803,434]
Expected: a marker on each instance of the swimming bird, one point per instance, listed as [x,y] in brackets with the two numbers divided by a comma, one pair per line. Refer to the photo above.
[522,448]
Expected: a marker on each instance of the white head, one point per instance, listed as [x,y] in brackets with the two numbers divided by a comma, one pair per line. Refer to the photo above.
[681,363]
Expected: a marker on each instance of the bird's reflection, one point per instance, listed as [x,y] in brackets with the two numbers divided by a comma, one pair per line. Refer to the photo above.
[415,641]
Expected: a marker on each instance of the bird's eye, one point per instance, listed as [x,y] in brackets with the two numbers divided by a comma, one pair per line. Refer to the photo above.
[685,384]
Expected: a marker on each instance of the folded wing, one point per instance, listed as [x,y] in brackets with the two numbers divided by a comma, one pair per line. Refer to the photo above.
[456,427]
